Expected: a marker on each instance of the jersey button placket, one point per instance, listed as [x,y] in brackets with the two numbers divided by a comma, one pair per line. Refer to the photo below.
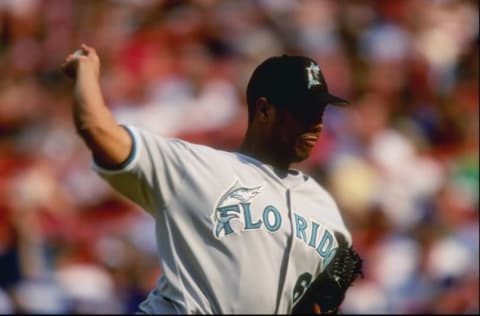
[284,296]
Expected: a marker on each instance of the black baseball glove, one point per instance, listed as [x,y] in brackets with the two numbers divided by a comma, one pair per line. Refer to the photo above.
[328,289]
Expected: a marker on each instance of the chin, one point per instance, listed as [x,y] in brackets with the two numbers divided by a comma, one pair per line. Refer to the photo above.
[300,156]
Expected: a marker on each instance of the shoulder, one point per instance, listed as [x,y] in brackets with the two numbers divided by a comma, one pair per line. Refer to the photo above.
[182,151]
[145,136]
[203,152]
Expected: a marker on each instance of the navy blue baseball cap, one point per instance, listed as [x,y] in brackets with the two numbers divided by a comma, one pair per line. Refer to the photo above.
[293,82]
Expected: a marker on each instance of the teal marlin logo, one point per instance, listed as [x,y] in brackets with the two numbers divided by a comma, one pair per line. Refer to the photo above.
[313,73]
[229,206]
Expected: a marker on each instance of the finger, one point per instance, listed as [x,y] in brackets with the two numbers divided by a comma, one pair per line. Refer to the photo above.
[87,49]
[70,58]
[316,308]
[77,56]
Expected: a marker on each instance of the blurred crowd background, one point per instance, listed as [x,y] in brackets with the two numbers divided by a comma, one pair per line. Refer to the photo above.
[402,161]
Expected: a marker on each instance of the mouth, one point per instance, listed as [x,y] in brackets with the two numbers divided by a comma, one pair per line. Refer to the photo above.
[309,139]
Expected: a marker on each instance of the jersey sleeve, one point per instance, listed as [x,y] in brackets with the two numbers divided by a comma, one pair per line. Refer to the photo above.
[153,171]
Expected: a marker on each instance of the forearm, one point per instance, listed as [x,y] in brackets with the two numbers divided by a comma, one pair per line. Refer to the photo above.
[110,143]
[89,110]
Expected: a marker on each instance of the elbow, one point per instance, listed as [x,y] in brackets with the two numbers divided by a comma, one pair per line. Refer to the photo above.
[110,145]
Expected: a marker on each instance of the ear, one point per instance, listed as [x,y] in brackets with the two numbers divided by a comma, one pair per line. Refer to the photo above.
[264,110]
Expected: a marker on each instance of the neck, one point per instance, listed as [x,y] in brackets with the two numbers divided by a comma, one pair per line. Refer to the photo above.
[260,150]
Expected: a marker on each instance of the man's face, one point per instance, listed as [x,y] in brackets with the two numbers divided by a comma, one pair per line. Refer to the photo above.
[295,133]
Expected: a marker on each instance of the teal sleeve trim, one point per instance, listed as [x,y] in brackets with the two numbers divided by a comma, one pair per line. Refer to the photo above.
[130,157]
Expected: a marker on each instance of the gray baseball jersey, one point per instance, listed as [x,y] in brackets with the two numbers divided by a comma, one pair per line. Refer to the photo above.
[233,235]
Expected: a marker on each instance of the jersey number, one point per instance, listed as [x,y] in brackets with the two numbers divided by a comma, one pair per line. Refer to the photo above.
[301,286]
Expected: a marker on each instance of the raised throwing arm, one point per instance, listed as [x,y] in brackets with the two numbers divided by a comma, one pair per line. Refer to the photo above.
[109,142]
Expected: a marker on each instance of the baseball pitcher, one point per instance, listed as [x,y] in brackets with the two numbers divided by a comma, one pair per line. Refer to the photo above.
[238,232]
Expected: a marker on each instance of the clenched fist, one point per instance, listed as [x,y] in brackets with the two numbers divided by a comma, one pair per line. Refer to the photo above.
[84,59]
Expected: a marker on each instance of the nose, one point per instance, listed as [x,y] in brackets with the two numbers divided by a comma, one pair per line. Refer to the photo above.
[313,118]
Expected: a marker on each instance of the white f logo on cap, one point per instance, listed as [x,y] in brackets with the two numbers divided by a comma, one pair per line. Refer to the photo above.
[313,72]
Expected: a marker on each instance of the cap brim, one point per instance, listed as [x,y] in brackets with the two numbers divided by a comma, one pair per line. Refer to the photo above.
[323,98]
[333,100]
